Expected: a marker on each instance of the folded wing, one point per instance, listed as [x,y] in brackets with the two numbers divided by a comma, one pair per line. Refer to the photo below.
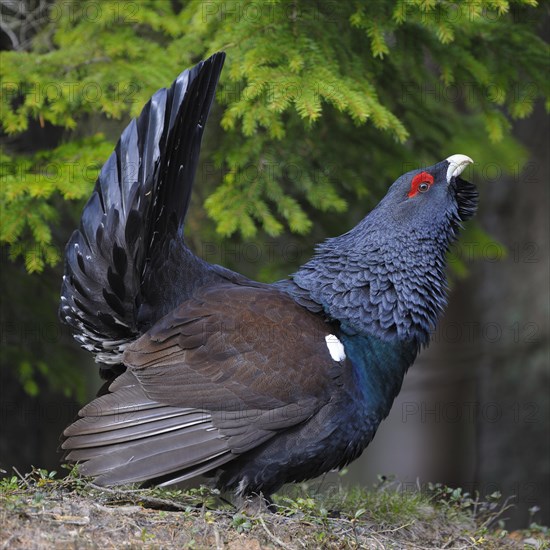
[217,377]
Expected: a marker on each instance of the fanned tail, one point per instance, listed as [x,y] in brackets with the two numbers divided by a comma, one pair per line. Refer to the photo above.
[132,224]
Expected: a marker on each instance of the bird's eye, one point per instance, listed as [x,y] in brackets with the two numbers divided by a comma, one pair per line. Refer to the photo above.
[420,184]
[423,187]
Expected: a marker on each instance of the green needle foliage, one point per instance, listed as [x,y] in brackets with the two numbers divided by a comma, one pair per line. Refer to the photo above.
[321,102]
[320,106]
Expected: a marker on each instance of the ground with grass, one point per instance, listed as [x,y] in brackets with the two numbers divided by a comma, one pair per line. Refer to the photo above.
[39,511]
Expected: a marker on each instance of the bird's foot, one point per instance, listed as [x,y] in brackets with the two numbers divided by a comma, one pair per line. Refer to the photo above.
[255,504]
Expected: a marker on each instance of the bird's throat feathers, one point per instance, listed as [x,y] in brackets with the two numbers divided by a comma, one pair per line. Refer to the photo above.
[388,282]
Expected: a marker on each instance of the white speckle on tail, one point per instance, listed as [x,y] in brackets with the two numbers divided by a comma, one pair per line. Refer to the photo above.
[335,347]
[241,487]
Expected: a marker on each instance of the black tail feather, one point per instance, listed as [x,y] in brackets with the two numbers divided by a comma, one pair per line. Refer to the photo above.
[136,210]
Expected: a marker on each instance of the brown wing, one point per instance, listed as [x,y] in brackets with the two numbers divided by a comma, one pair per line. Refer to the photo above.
[235,347]
[219,375]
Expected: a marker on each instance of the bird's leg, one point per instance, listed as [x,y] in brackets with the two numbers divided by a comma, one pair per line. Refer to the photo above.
[255,504]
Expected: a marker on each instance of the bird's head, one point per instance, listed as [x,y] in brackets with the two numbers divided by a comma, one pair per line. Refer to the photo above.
[424,197]
[386,276]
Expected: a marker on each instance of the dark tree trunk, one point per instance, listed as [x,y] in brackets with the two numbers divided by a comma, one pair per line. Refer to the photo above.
[474,409]
[511,302]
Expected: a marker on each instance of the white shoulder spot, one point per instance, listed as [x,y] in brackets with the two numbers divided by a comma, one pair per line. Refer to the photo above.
[335,347]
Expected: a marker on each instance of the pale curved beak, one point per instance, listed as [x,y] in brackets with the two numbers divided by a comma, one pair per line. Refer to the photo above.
[457,164]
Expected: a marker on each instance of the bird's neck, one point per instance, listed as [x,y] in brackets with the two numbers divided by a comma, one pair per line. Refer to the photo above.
[392,287]
[378,369]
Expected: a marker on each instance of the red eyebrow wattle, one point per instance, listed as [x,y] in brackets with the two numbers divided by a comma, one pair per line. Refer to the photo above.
[423,177]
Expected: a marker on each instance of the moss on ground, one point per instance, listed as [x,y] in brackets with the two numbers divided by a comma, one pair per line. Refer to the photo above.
[40,511]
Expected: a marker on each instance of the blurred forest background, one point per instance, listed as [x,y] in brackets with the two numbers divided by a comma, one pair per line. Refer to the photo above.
[321,105]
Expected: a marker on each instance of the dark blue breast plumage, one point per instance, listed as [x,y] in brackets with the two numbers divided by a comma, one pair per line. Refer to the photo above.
[211,373]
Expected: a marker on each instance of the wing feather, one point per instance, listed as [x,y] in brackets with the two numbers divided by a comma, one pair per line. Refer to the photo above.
[155,457]
[123,437]
[218,377]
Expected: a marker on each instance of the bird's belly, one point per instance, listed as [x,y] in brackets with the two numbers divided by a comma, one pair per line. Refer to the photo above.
[332,438]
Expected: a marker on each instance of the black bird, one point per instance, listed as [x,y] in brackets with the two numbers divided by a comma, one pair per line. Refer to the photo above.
[211,373]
